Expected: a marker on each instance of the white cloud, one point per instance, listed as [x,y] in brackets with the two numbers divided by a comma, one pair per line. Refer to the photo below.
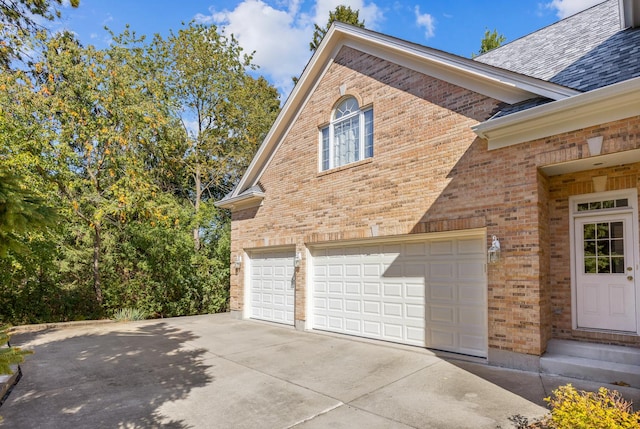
[280,34]
[565,8]
[280,41]
[427,21]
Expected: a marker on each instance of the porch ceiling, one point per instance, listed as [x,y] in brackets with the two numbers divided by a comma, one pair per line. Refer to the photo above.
[593,163]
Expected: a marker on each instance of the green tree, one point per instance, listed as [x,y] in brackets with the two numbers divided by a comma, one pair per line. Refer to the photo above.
[18,20]
[341,14]
[224,111]
[491,40]
[99,113]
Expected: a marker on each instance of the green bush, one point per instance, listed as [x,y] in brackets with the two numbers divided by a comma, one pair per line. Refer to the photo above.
[128,315]
[604,409]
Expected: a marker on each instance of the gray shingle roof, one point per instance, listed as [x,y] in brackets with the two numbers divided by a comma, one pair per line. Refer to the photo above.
[585,51]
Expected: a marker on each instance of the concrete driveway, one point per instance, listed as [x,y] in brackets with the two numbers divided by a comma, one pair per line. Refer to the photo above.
[216,372]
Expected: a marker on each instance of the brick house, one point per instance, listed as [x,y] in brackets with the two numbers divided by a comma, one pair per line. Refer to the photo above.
[371,207]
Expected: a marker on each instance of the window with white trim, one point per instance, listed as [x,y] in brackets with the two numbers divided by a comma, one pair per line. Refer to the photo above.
[349,136]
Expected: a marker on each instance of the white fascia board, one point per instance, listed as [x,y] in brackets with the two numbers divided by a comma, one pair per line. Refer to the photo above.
[607,104]
[241,201]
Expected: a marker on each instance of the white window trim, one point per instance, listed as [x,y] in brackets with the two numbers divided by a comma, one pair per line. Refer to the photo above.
[330,126]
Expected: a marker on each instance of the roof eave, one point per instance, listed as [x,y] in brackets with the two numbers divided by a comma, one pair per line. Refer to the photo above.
[610,103]
[246,200]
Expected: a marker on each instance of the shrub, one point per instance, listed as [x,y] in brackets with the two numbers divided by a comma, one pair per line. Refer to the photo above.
[129,314]
[604,409]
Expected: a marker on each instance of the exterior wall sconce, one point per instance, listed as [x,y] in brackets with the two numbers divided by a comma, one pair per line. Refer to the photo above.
[493,254]
[238,262]
[595,145]
[599,183]
[296,261]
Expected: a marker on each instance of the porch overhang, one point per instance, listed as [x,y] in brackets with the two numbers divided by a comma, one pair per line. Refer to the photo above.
[592,163]
[607,104]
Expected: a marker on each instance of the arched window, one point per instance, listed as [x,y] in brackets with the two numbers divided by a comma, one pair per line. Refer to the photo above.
[349,136]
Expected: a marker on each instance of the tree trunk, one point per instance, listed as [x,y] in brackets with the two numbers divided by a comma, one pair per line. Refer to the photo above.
[196,206]
[96,262]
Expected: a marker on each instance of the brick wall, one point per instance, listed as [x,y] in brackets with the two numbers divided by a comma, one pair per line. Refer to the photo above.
[429,173]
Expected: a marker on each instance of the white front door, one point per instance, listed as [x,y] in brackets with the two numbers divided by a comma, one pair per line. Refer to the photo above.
[605,272]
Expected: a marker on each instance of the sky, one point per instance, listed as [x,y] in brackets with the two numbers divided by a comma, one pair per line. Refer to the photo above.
[279,31]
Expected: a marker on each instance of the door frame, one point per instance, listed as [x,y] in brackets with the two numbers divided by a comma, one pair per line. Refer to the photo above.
[632,209]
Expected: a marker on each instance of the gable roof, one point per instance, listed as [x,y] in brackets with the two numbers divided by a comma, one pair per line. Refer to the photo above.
[586,51]
[504,85]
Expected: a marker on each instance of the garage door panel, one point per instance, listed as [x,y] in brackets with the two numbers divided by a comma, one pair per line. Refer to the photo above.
[372,328]
[415,291]
[372,270]
[470,270]
[352,289]
[443,339]
[392,290]
[430,292]
[392,310]
[272,286]
[414,312]
[442,247]
[371,289]
[352,306]
[446,315]
[352,270]
[471,293]
[353,326]
[443,270]
[335,288]
[371,307]
[416,249]
[473,246]
[393,331]
[442,292]
[335,304]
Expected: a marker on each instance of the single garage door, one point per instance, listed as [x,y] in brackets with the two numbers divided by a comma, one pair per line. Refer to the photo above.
[428,293]
[272,286]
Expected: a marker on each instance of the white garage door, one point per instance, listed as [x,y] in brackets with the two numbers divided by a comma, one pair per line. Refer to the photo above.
[428,293]
[272,286]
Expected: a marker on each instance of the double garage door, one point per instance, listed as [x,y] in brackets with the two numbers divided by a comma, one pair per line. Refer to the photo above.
[429,293]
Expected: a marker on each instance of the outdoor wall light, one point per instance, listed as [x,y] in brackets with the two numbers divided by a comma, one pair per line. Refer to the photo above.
[595,145]
[238,262]
[296,261]
[493,255]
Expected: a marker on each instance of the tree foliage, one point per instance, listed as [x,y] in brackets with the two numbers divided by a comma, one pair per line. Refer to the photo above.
[18,22]
[107,139]
[341,14]
[491,40]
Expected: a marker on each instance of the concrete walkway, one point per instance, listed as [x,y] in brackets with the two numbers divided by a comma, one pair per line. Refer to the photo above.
[215,372]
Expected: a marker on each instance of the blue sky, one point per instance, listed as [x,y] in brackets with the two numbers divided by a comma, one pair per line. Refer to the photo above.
[279,31]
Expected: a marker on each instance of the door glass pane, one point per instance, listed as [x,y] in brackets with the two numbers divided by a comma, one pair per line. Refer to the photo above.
[589,248]
[617,265]
[603,248]
[617,247]
[603,230]
[617,230]
[590,266]
[589,231]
